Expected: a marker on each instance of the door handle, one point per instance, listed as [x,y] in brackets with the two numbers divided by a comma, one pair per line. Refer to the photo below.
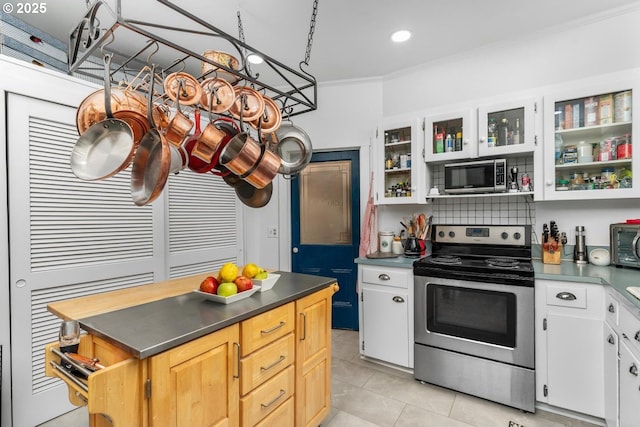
[398,299]
[295,250]
[566,296]
[633,370]
[611,340]
[612,308]
[637,336]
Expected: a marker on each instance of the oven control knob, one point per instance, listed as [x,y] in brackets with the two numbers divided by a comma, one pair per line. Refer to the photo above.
[441,234]
[452,234]
[504,235]
[517,236]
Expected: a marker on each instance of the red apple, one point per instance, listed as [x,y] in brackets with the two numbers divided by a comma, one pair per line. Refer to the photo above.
[209,285]
[243,283]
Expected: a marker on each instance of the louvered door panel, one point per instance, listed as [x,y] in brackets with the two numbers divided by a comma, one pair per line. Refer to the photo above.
[203,227]
[68,238]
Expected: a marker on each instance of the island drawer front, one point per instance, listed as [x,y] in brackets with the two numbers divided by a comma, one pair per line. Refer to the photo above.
[399,278]
[266,398]
[121,372]
[265,363]
[265,328]
[282,416]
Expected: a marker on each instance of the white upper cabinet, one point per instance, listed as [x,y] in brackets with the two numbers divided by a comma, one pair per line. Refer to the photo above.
[588,140]
[450,136]
[399,163]
[508,128]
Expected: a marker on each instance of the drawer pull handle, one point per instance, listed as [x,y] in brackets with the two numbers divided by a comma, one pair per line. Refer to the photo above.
[633,370]
[566,296]
[398,299]
[68,375]
[266,405]
[384,276]
[611,339]
[612,308]
[266,368]
[304,327]
[637,336]
[275,328]
[237,346]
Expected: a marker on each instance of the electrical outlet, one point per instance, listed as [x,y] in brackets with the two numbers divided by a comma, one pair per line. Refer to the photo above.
[514,424]
[272,232]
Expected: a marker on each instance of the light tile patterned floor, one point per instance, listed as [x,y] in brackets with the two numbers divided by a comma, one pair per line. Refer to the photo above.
[366,394]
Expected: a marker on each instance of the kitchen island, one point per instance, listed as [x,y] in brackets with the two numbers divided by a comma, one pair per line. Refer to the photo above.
[174,358]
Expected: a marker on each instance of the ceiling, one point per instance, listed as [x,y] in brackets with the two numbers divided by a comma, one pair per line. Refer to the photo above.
[351,38]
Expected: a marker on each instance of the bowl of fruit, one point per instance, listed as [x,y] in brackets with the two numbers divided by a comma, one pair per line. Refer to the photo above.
[229,286]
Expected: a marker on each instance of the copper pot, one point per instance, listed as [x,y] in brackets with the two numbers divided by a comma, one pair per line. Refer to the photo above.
[217,95]
[271,118]
[180,125]
[220,58]
[213,138]
[248,104]
[241,154]
[266,169]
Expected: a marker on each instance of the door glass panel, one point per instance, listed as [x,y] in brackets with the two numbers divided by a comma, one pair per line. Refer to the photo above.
[325,203]
[505,127]
[397,162]
[448,135]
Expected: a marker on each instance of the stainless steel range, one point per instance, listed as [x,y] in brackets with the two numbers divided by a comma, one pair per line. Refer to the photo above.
[474,313]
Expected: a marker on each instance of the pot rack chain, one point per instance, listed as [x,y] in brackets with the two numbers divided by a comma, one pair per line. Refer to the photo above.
[244,49]
[312,29]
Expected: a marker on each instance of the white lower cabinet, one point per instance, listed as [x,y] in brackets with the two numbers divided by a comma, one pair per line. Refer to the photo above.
[386,314]
[629,387]
[569,347]
[611,396]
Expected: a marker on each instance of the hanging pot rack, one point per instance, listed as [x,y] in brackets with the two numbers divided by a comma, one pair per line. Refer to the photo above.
[294,90]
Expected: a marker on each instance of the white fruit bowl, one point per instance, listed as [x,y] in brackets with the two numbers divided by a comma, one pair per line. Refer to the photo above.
[228,300]
[599,256]
[266,284]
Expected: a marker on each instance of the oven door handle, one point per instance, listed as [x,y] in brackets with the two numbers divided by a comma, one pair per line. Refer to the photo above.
[566,296]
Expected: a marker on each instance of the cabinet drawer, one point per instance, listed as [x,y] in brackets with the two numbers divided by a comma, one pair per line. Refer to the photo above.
[265,328]
[282,416]
[266,398]
[574,297]
[387,276]
[263,364]
[612,307]
[630,327]
[122,372]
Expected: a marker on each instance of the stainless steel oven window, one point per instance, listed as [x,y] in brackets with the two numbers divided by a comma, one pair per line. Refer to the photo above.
[476,314]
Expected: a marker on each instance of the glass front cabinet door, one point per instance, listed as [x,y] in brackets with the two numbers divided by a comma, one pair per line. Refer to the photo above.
[398,163]
[588,142]
[450,136]
[507,128]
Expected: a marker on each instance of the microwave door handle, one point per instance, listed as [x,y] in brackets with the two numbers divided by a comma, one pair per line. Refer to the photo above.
[634,246]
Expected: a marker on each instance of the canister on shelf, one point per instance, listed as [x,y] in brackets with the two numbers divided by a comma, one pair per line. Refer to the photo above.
[624,147]
[622,107]
[585,152]
[591,111]
[605,105]
[385,238]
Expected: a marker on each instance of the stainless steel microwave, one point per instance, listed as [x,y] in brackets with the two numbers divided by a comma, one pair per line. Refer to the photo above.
[625,244]
[482,176]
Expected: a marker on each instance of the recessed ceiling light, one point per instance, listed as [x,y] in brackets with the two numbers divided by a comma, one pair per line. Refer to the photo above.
[255,59]
[401,36]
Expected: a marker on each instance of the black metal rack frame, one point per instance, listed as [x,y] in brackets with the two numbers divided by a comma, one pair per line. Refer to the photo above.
[295,91]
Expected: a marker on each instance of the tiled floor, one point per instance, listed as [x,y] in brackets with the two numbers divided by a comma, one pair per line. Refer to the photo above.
[366,394]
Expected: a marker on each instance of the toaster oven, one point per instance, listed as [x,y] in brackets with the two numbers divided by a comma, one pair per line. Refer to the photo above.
[625,244]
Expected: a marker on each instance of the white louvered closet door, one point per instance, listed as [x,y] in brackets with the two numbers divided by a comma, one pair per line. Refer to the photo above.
[68,238]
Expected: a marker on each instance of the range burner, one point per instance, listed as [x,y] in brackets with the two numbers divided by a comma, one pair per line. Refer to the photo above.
[446,260]
[503,262]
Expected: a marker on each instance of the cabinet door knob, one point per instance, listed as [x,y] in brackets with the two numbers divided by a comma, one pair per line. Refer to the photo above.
[612,308]
[611,339]
[633,370]
[398,299]
[384,276]
[566,296]
[637,336]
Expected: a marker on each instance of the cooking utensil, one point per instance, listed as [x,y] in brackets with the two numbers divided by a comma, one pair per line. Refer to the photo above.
[271,119]
[151,163]
[266,169]
[293,148]
[240,154]
[180,125]
[248,104]
[106,147]
[217,95]
[183,87]
[252,196]
[220,58]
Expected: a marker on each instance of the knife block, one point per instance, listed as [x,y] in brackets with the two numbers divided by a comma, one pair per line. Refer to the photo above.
[549,257]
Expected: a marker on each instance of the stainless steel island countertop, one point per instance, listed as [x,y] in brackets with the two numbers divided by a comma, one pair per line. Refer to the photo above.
[150,328]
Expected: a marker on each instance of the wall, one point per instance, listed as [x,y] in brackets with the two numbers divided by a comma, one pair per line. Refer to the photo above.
[346,116]
[599,45]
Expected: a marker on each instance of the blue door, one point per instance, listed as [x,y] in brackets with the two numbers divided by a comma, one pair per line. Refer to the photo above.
[325,227]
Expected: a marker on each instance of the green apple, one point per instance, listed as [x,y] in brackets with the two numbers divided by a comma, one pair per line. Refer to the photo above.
[261,275]
[227,289]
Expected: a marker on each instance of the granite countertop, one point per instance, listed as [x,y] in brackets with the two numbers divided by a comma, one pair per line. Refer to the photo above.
[617,278]
[147,329]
